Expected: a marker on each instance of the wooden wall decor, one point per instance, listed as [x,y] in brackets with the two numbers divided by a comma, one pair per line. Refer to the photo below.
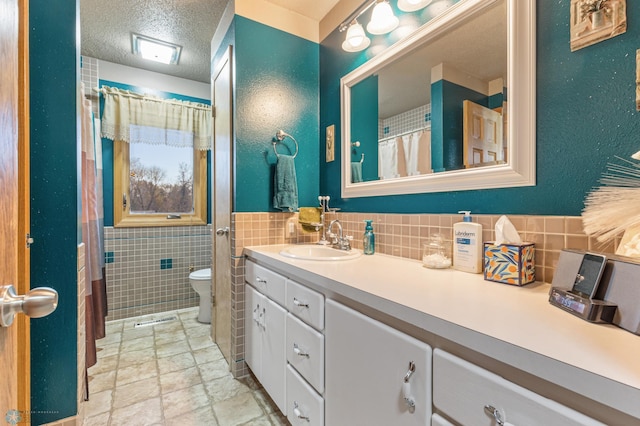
[593,21]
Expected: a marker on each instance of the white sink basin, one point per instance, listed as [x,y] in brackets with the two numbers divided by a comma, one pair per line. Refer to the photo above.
[316,252]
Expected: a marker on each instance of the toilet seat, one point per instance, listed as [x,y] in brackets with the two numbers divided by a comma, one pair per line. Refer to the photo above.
[200,275]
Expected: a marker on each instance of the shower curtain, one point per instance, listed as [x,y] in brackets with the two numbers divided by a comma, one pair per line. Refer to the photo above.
[92,234]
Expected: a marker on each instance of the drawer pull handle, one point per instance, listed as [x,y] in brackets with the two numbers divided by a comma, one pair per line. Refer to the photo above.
[406,387]
[299,352]
[497,415]
[255,314]
[300,304]
[261,280]
[298,413]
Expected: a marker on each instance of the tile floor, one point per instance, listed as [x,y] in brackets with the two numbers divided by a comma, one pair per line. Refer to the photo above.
[170,373]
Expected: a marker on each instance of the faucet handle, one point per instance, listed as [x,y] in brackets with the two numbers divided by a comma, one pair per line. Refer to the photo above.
[347,241]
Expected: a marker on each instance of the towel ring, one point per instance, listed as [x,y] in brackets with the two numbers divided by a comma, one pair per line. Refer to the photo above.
[280,135]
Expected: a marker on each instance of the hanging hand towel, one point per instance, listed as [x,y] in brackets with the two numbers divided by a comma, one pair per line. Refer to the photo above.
[285,185]
[356,171]
[309,218]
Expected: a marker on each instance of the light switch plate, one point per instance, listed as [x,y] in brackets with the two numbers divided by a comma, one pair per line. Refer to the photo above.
[331,143]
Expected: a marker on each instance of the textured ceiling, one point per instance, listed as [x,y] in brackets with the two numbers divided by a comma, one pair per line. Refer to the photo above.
[106,28]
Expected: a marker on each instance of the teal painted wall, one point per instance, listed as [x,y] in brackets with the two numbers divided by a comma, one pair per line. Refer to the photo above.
[276,87]
[54,80]
[446,128]
[107,147]
[586,115]
[364,115]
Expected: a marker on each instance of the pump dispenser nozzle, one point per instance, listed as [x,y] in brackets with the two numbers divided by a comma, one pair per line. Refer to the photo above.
[467,215]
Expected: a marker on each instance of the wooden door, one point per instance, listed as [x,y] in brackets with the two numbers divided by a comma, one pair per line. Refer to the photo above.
[221,182]
[14,204]
[482,135]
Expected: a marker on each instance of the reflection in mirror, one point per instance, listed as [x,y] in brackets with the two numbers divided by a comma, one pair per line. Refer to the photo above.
[429,113]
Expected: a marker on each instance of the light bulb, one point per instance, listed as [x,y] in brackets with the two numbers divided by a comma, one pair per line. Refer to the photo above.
[412,5]
[382,19]
[356,40]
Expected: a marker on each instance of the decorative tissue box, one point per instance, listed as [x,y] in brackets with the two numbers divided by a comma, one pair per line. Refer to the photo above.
[510,263]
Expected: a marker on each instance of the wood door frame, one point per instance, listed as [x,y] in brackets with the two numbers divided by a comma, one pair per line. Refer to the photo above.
[24,213]
[15,390]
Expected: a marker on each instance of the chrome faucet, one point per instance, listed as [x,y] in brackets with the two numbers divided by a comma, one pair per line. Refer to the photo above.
[339,241]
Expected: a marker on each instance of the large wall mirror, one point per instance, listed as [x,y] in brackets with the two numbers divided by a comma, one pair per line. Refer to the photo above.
[450,107]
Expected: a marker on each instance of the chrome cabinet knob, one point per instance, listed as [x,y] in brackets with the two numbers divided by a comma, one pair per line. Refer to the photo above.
[37,303]
[222,231]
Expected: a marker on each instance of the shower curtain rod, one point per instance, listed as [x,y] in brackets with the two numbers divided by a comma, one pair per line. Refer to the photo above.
[403,133]
[145,97]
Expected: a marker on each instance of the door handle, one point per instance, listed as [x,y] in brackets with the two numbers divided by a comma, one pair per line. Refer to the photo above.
[222,231]
[37,303]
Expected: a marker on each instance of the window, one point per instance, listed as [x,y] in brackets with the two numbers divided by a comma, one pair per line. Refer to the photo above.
[160,159]
[159,185]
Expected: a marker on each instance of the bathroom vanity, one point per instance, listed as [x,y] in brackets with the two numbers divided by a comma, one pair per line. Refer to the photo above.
[382,340]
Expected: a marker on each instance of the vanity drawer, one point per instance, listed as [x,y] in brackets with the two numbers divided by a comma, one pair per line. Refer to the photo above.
[306,304]
[461,390]
[305,351]
[304,405]
[437,420]
[265,281]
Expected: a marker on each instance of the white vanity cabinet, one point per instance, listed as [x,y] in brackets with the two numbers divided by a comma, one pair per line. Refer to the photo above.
[284,344]
[366,366]
[265,343]
[471,395]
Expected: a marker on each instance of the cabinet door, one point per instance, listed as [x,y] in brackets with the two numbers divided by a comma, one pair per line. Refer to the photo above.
[253,302]
[366,362]
[462,390]
[273,374]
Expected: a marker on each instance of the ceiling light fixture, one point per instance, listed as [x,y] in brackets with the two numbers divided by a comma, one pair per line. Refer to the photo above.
[412,5]
[382,18]
[155,50]
[356,39]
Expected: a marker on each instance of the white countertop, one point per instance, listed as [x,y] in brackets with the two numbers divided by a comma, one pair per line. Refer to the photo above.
[514,325]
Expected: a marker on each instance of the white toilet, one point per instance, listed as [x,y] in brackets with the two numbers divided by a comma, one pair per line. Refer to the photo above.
[201,283]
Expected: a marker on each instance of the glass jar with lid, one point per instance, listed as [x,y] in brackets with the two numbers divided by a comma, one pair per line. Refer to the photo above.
[437,252]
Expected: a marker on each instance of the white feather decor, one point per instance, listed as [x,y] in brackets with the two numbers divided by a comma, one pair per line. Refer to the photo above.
[614,207]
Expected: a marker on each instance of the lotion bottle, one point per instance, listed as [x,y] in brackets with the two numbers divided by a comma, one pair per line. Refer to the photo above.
[467,245]
[369,239]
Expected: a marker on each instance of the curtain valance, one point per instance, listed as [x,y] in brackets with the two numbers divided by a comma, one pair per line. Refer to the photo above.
[135,118]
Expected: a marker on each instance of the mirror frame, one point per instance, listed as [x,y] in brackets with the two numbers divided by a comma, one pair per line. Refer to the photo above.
[520,169]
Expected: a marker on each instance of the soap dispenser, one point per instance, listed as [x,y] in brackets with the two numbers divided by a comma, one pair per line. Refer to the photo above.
[467,245]
[369,239]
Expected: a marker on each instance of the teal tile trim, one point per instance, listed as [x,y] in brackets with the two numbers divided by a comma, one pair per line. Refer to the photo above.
[109,257]
[166,263]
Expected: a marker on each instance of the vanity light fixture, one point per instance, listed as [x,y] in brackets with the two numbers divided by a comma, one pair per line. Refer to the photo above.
[356,39]
[382,21]
[412,5]
[155,50]
[382,18]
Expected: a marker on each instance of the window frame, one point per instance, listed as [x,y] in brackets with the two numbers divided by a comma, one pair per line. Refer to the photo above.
[122,216]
